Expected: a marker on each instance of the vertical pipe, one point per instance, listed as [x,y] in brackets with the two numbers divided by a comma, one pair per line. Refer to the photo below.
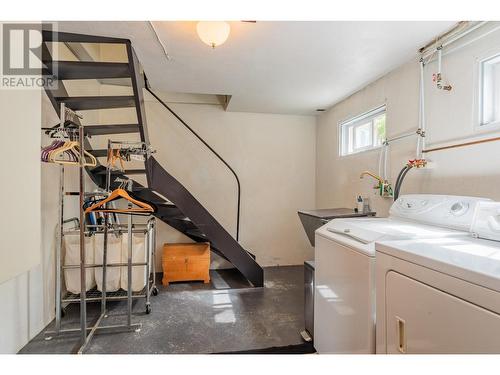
[153,250]
[108,169]
[380,157]
[422,125]
[440,54]
[148,262]
[129,270]
[59,249]
[83,283]
[104,264]
[105,241]
[386,150]
[421,117]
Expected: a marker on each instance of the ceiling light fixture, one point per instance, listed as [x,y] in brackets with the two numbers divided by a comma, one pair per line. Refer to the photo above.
[213,33]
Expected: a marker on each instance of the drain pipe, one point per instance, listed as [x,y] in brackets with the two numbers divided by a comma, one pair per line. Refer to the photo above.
[382,160]
[438,77]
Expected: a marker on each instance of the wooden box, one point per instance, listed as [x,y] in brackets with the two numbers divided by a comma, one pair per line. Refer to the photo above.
[186,262]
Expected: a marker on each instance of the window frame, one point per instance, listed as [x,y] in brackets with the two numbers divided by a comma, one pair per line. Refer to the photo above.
[356,121]
[479,126]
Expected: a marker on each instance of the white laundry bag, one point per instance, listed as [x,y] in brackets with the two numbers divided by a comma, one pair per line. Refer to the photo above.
[113,255]
[72,257]
[139,273]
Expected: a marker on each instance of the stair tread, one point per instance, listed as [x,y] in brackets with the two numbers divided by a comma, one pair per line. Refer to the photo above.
[96,102]
[196,232]
[126,171]
[150,196]
[111,129]
[98,153]
[49,36]
[65,70]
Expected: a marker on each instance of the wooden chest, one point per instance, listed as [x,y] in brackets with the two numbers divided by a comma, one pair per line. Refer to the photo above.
[186,262]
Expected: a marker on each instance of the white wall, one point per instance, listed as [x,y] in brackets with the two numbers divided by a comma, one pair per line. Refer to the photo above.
[20,219]
[450,117]
[28,298]
[273,155]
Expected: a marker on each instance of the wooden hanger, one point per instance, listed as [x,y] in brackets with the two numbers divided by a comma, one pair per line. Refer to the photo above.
[114,156]
[116,194]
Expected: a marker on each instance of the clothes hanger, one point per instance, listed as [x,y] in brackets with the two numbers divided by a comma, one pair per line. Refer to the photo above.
[44,156]
[72,147]
[115,155]
[93,160]
[117,194]
[55,156]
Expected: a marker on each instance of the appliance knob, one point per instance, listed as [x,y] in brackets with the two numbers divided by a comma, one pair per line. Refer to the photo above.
[459,208]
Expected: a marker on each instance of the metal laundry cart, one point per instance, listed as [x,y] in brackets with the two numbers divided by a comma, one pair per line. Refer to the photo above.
[93,295]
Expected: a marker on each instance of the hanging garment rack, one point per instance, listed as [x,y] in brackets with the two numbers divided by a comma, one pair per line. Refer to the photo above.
[69,117]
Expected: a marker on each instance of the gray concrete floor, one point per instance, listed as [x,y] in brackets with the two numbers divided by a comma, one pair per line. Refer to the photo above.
[225,315]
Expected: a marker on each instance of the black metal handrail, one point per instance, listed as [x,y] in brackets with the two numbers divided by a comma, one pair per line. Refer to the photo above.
[207,145]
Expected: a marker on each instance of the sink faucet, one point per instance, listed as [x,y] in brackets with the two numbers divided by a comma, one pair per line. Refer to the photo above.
[383,186]
[378,178]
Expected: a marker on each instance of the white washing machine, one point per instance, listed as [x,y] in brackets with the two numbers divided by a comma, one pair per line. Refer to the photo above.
[344,299]
[441,295]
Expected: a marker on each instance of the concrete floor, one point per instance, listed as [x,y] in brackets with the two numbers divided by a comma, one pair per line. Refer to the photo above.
[225,315]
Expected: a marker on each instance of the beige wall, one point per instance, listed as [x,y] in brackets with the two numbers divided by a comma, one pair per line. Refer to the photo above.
[273,155]
[450,117]
[29,241]
[20,220]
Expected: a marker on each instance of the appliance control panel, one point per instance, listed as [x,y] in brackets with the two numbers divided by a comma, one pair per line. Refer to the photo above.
[486,221]
[450,211]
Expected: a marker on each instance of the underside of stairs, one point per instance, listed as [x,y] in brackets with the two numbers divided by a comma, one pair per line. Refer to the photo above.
[181,210]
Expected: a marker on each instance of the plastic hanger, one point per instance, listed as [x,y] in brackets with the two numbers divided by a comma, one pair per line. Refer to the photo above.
[116,194]
[72,147]
[64,149]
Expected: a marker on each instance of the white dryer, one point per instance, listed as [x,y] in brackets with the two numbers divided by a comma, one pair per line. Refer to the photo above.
[344,300]
[441,295]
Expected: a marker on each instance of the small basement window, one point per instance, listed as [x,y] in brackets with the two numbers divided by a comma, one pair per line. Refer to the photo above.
[490,91]
[363,132]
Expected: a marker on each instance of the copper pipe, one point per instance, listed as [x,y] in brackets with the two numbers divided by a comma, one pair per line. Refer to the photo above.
[462,144]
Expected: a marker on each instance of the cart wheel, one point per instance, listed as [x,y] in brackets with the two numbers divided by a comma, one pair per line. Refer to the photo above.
[148,309]
[155,291]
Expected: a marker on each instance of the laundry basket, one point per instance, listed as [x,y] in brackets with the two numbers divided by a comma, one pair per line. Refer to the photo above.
[139,273]
[113,255]
[72,257]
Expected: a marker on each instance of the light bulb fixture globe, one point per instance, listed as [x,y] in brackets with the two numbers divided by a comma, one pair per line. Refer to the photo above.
[213,33]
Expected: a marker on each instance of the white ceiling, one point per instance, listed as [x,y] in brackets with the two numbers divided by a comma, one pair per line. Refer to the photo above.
[274,67]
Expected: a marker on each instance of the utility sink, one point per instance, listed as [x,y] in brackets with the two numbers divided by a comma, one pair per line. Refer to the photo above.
[313,219]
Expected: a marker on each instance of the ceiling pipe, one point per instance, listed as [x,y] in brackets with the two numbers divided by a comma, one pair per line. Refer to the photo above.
[163,47]
[460,30]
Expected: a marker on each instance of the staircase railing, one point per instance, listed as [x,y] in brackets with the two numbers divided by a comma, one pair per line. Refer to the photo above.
[146,86]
